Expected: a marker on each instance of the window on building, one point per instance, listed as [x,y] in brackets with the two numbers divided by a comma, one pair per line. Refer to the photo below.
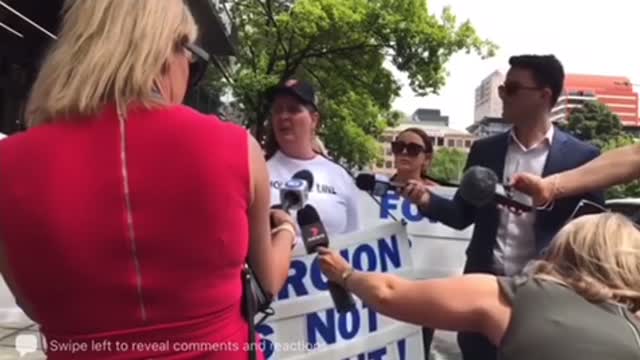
[380,163]
[459,143]
[467,143]
[451,143]
[389,153]
[388,165]
[440,141]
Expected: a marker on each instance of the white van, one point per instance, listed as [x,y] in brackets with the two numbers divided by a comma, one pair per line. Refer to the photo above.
[629,207]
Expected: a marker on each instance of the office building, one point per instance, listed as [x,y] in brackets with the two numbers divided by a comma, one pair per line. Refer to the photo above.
[616,92]
[487,100]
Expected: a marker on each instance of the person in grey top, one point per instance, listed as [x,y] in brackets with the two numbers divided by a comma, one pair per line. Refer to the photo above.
[580,300]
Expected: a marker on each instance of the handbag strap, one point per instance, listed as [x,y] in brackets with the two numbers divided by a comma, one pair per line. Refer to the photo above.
[250,311]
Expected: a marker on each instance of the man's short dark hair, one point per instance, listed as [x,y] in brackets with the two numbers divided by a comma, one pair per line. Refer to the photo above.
[547,71]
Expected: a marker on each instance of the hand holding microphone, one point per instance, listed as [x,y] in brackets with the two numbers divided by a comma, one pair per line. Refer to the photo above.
[378,185]
[315,238]
[480,187]
[293,196]
[417,192]
[334,266]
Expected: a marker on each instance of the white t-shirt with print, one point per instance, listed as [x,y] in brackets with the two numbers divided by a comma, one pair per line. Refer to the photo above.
[334,194]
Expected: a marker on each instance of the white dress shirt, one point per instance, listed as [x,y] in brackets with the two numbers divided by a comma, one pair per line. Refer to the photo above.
[515,242]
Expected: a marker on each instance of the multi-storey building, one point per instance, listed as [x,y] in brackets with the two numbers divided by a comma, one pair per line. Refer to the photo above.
[487,100]
[616,92]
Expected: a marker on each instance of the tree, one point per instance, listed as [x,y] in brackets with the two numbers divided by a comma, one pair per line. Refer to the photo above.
[594,122]
[344,47]
[631,189]
[448,164]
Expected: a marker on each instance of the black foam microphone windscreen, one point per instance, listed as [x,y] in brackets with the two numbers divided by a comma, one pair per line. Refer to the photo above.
[478,186]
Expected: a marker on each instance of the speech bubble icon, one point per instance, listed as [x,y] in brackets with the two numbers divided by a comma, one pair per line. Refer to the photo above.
[26,344]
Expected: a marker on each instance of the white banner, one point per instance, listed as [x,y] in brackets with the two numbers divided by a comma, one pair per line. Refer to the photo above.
[306,324]
[437,250]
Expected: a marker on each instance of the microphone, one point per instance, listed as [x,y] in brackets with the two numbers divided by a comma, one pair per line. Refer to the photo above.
[480,186]
[295,192]
[314,235]
[377,185]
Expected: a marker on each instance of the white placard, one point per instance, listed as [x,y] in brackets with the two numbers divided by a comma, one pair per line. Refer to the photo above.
[306,323]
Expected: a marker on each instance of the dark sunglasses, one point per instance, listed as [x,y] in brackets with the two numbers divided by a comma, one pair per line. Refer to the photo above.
[512,88]
[198,65]
[412,149]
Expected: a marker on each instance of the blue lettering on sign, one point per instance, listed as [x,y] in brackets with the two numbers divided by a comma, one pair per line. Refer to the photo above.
[373,319]
[379,354]
[364,257]
[409,210]
[322,325]
[402,349]
[299,269]
[267,345]
[349,329]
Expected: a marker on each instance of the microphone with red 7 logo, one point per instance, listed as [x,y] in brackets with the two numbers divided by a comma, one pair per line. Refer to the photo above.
[315,235]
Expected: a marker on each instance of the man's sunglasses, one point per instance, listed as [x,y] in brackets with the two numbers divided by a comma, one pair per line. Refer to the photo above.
[411,149]
[512,88]
[198,65]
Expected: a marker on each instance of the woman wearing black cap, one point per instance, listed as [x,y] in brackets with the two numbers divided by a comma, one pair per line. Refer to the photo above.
[290,148]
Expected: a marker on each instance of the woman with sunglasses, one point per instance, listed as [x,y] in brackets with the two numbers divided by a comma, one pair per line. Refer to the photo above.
[580,300]
[291,147]
[126,218]
[412,154]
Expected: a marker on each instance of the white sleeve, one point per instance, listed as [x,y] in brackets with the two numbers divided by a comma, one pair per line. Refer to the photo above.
[353,205]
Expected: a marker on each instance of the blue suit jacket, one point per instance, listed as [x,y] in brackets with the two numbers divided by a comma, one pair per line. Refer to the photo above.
[566,153]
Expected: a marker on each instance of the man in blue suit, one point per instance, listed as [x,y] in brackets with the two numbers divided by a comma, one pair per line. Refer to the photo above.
[503,242]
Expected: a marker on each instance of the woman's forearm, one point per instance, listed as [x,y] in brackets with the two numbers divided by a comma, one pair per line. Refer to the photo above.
[281,243]
[375,289]
[614,167]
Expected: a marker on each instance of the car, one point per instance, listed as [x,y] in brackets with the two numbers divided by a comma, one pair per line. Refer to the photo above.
[629,207]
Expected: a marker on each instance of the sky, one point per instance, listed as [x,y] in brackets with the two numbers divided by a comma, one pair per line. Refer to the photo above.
[588,37]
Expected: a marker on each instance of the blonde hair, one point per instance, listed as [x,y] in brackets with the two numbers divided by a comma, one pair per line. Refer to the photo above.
[318,146]
[599,257]
[108,51]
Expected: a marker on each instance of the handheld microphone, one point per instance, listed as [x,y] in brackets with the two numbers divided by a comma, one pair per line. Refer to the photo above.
[480,187]
[295,192]
[377,185]
[313,236]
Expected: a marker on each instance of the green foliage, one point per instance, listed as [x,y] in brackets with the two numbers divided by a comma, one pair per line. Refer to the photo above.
[344,47]
[206,96]
[594,122]
[631,189]
[448,164]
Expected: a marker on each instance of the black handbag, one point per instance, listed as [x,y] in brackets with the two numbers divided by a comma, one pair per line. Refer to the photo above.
[255,301]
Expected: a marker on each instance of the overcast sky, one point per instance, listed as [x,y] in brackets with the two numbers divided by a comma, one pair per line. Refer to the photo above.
[589,37]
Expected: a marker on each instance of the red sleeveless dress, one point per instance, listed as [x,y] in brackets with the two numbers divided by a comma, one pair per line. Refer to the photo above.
[156,273]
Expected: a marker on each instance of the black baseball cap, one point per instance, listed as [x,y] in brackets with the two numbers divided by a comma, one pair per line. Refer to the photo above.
[299,89]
